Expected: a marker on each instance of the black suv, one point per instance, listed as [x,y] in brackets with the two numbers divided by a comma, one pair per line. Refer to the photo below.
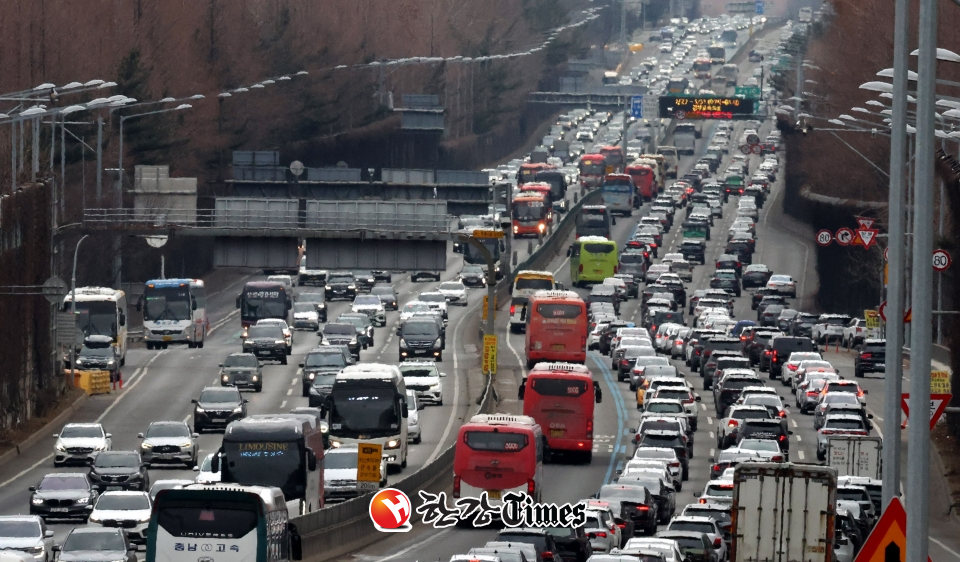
[728,390]
[387,296]
[727,261]
[766,429]
[723,342]
[541,540]
[341,285]
[217,407]
[63,495]
[242,370]
[780,349]
[670,440]
[266,342]
[573,543]
[364,280]
[802,324]
[871,358]
[319,368]
[342,334]
[694,250]
[631,503]
[119,470]
[758,296]
[420,337]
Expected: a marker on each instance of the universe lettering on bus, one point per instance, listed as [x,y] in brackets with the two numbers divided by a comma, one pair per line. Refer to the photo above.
[263,294]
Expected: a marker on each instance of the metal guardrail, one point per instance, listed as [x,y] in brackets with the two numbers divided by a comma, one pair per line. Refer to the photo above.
[263,220]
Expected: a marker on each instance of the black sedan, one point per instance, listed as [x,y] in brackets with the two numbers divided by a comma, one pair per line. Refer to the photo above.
[119,470]
[64,495]
[217,407]
[266,342]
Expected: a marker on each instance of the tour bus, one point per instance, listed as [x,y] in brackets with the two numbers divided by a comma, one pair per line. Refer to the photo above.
[263,299]
[805,15]
[610,78]
[556,328]
[544,189]
[594,220]
[525,284]
[619,194]
[279,450]
[592,259]
[592,169]
[729,38]
[614,158]
[368,404]
[101,311]
[701,67]
[561,398]
[248,523]
[529,214]
[498,454]
[659,164]
[730,72]
[473,256]
[718,53]
[685,138]
[174,311]
[529,170]
[644,179]
[677,84]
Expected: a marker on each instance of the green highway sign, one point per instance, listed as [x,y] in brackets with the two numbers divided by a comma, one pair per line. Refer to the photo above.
[748,91]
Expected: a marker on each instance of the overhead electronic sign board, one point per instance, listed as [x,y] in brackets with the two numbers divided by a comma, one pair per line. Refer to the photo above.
[706,107]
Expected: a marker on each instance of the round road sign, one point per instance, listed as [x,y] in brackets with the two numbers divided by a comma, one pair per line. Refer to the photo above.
[753,139]
[824,237]
[681,115]
[941,260]
[756,149]
[886,254]
[883,311]
[745,149]
[844,236]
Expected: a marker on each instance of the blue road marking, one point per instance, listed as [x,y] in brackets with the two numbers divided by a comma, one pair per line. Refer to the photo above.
[620,407]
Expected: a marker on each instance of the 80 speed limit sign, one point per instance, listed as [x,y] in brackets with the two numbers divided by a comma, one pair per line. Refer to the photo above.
[941,260]
[824,237]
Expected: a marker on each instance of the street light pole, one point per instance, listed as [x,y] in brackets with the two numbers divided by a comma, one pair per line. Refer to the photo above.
[893,374]
[73,309]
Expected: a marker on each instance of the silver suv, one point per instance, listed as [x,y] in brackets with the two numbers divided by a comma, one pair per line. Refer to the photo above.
[169,442]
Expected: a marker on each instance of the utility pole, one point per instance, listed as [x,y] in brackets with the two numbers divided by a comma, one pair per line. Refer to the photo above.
[918,462]
[623,26]
[99,157]
[893,376]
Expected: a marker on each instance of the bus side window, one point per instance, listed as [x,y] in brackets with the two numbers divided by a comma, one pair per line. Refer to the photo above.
[597,392]
[541,443]
[522,390]
[523,313]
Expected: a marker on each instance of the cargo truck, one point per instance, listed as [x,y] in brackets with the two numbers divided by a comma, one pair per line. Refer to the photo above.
[855,455]
[783,512]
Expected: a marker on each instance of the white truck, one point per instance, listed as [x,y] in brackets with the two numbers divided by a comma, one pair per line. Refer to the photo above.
[783,512]
[855,455]
[685,138]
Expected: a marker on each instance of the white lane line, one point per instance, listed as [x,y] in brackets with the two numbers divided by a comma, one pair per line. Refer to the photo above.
[186,420]
[130,387]
[799,439]
[283,404]
[562,265]
[945,547]
[415,545]
[712,436]
[709,420]
[26,471]
[456,397]
[704,407]
[794,422]
[294,381]
[520,362]
[289,391]
[800,455]
[711,452]
[220,324]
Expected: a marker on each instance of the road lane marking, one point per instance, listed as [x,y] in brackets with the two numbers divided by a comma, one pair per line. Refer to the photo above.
[187,419]
[619,404]
[222,322]
[283,404]
[800,455]
[562,265]
[289,391]
[456,394]
[417,544]
[799,438]
[26,471]
[794,422]
[711,452]
[130,387]
[712,436]
[294,381]
[709,420]
[703,406]
[945,547]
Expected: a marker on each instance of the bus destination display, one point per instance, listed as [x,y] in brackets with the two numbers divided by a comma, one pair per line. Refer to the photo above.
[693,107]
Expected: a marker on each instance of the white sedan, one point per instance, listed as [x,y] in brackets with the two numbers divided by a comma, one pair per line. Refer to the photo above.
[783,284]
[113,507]
[455,292]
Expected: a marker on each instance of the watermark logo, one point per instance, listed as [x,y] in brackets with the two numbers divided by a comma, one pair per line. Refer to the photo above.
[390,511]
[517,510]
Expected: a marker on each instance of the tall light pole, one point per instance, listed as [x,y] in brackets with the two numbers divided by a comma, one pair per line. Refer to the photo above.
[73,308]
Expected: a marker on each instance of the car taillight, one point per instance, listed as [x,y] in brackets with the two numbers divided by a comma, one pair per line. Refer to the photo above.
[531,487]
[703,500]
[456,486]
[866,355]
[860,394]
[581,268]
[774,354]
[678,342]
[616,269]
[782,438]
[589,429]
[513,309]
[827,432]
[716,468]
[600,534]
[717,542]
[733,423]
[783,413]
[622,525]
[675,464]
[767,352]
[792,367]
[643,508]
[777,458]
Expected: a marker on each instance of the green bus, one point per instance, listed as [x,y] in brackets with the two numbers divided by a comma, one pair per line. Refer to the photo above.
[222,522]
[592,259]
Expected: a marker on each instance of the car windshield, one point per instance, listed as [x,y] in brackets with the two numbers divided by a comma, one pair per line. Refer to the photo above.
[81,432]
[420,329]
[219,395]
[673,393]
[720,490]
[19,529]
[836,321]
[428,371]
[472,269]
[664,408]
[760,445]
[324,360]
[311,297]
[852,494]
[304,307]
[432,297]
[105,541]
[338,460]
[339,330]
[97,352]
[412,307]
[117,502]
[367,300]
[241,361]
[265,332]
[696,526]
[117,460]
[619,492]
[167,430]
[841,398]
[383,291]
[339,279]
[843,424]
[451,287]
[54,482]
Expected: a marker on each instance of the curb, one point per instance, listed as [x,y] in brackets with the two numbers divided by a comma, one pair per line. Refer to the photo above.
[45,430]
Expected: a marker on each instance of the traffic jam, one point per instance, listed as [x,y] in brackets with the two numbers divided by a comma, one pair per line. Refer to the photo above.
[666,389]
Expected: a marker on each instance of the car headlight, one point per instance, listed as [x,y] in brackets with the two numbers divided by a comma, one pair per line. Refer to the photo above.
[225,378]
[403,342]
[60,447]
[321,305]
[437,343]
[392,444]
[111,362]
[436,387]
[83,501]
[198,410]
[334,444]
[351,286]
[36,501]
[327,287]
[280,342]
[146,446]
[311,376]
[102,447]
[238,409]
[244,332]
[35,549]
[370,280]
[254,378]
[186,445]
[144,520]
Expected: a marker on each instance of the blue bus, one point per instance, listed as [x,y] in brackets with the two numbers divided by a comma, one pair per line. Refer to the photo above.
[174,311]
[619,194]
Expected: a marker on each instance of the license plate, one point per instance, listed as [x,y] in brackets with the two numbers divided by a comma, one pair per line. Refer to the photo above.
[493,494]
[598,271]
[219,420]
[557,347]
[167,338]
[881,366]
[114,488]
[556,433]
[58,509]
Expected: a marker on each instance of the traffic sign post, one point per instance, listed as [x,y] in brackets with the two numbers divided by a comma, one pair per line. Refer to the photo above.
[938,403]
[866,222]
[636,107]
[888,539]
[867,237]
[844,236]
[490,354]
[759,7]
[883,311]
[369,459]
[941,260]
[824,237]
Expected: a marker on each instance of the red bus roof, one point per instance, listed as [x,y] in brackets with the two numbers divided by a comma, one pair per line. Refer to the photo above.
[557,295]
[529,196]
[502,420]
[639,168]
[611,148]
[619,176]
[561,368]
[536,166]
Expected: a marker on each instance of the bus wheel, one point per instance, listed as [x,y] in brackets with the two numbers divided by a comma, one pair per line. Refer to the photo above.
[200,344]
[166,345]
[588,457]
[191,345]
[149,345]
[123,360]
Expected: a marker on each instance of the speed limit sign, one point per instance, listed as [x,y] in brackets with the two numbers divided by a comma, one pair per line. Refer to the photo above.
[824,237]
[941,260]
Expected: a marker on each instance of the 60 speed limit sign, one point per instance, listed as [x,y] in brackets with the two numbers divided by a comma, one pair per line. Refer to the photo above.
[941,260]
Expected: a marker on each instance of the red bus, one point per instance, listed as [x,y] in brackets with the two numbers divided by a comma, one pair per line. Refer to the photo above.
[543,189]
[644,179]
[556,327]
[614,157]
[498,453]
[528,171]
[530,214]
[561,396]
[592,169]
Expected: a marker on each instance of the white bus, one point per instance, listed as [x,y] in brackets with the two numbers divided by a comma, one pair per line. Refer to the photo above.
[101,311]
[174,311]
[368,404]
[225,521]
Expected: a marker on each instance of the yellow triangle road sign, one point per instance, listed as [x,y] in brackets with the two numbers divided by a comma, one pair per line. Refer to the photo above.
[888,540]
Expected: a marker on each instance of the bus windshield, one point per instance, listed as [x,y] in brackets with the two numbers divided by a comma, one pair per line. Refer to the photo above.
[500,441]
[528,210]
[592,166]
[593,218]
[97,318]
[257,303]
[558,387]
[364,410]
[717,52]
[261,463]
[167,303]
[532,284]
[207,519]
